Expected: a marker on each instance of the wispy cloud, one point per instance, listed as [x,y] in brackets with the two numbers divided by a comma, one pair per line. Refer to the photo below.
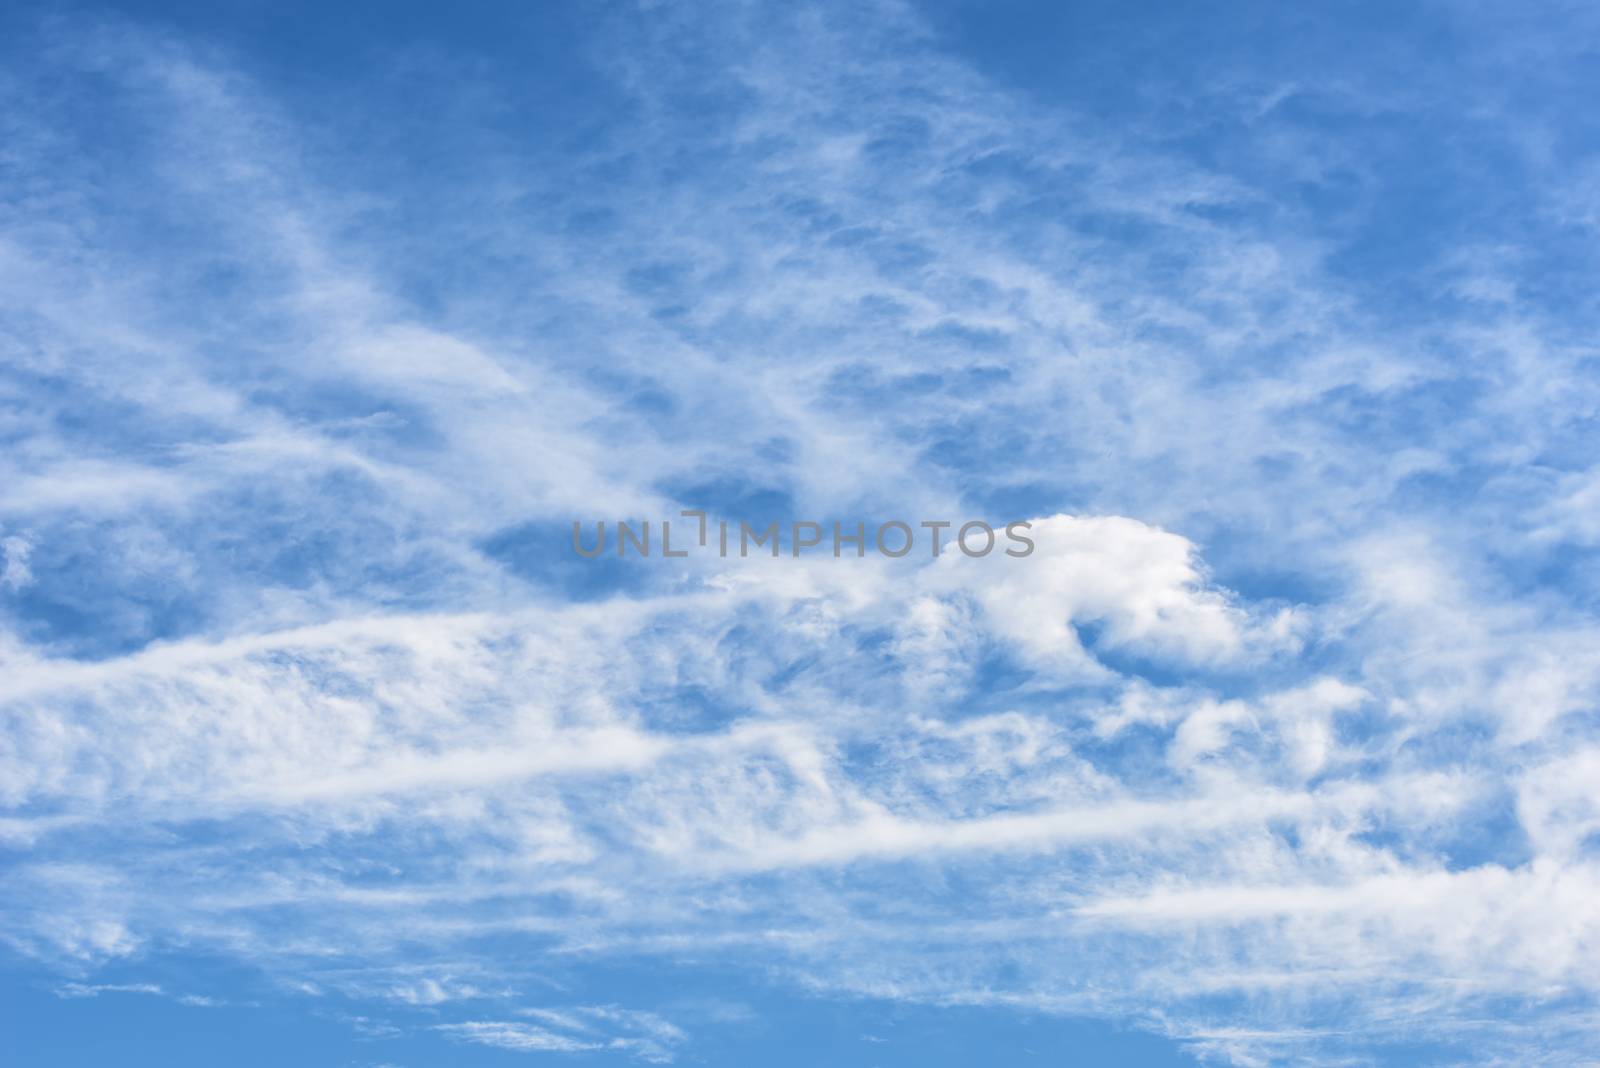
[581,1029]
[1282,744]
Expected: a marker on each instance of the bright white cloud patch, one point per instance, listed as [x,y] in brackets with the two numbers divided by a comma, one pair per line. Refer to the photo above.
[1139,586]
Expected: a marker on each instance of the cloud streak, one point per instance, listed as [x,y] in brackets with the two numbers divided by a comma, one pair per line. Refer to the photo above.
[1280,746]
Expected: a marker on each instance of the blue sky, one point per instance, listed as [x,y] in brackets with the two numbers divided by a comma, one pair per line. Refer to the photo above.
[320,325]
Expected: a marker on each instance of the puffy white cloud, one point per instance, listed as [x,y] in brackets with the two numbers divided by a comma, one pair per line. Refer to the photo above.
[1141,587]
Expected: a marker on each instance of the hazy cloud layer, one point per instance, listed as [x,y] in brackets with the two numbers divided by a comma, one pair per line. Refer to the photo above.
[1283,744]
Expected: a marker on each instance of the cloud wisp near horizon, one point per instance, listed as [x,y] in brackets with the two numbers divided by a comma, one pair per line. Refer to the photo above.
[319,330]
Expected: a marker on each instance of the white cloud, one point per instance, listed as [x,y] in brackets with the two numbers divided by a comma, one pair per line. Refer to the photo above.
[1151,775]
[1141,584]
[579,1029]
[14,552]
[519,1037]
